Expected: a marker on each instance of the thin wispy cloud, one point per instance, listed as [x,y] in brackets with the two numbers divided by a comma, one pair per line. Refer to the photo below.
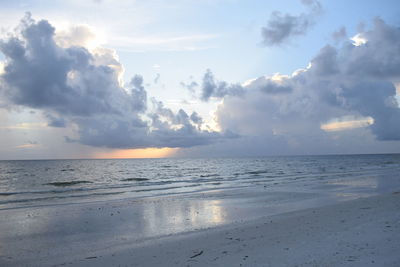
[29,145]
[25,126]
[166,43]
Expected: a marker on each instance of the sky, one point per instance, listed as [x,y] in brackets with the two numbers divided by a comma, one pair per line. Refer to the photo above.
[198,78]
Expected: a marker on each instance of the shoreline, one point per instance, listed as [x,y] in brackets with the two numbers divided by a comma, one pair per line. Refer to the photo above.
[152,231]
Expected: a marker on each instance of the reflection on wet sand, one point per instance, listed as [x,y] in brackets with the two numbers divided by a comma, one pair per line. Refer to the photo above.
[165,217]
[93,226]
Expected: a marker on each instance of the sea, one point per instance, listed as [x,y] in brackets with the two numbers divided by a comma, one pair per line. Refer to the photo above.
[32,183]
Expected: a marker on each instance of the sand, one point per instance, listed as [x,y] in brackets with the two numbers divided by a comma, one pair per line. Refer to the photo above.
[357,232]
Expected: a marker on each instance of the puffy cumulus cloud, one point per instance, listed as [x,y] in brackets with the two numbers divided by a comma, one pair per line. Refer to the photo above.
[298,110]
[40,74]
[81,88]
[282,27]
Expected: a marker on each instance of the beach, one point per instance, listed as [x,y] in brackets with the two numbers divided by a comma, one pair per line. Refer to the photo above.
[296,211]
[200,133]
[363,232]
[357,232]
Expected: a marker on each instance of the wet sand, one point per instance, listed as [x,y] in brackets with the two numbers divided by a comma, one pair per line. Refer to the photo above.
[221,228]
[363,232]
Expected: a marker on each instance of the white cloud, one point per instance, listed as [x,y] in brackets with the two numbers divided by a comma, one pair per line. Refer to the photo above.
[79,35]
[359,39]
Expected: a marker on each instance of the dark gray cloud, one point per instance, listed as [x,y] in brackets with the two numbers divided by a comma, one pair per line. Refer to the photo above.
[195,118]
[54,121]
[375,99]
[40,74]
[210,87]
[379,58]
[74,86]
[282,27]
[326,62]
[138,94]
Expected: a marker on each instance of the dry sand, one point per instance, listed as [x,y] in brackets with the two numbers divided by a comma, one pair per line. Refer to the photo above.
[361,232]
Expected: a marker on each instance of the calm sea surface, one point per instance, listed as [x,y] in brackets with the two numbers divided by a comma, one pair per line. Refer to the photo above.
[47,182]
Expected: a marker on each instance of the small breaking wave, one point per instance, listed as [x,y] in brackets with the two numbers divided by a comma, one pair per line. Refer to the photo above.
[67,170]
[134,180]
[70,183]
[209,175]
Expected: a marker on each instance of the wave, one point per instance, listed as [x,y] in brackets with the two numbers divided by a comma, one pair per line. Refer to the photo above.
[209,175]
[134,179]
[70,183]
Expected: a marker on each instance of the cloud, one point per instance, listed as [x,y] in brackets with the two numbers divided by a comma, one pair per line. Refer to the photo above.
[28,145]
[24,126]
[276,84]
[283,27]
[81,88]
[76,35]
[345,123]
[138,94]
[315,103]
[191,86]
[40,74]
[164,43]
[339,35]
[54,121]
[157,78]
[217,89]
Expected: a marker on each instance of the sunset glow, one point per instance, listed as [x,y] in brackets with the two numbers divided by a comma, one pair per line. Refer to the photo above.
[137,153]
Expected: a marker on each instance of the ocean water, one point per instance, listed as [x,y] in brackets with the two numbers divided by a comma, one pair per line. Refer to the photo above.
[49,182]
